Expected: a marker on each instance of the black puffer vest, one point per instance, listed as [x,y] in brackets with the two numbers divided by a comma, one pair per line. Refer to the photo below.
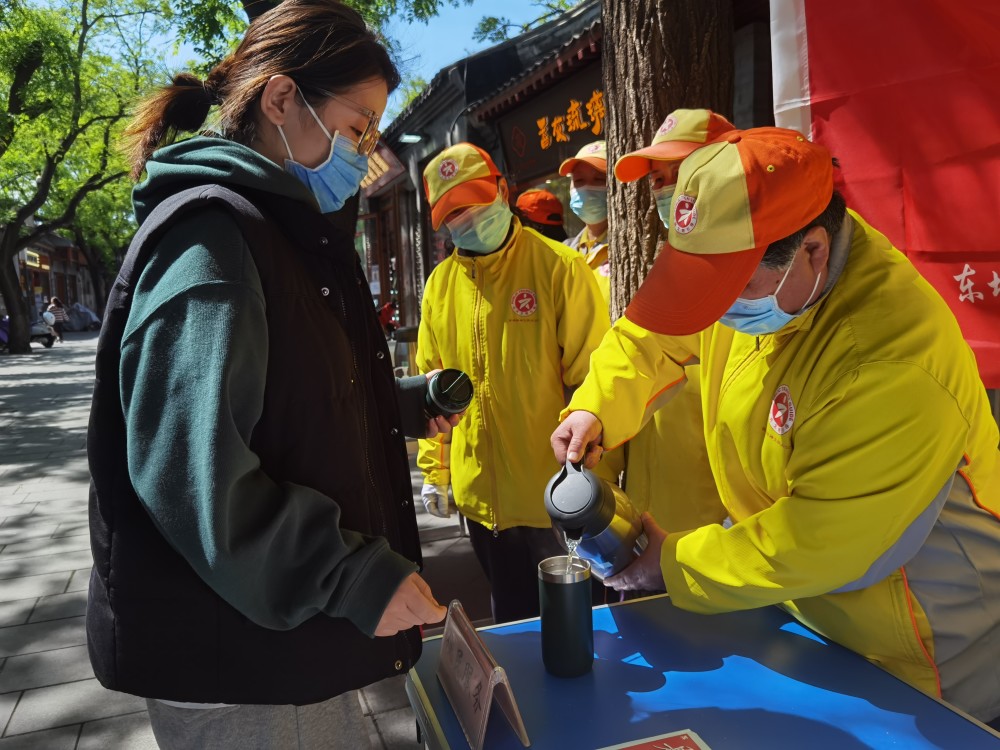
[330,421]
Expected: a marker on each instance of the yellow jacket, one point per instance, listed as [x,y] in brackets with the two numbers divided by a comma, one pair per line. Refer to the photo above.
[856,453]
[522,322]
[666,464]
[595,253]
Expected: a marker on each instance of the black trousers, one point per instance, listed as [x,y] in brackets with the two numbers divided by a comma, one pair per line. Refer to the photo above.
[510,561]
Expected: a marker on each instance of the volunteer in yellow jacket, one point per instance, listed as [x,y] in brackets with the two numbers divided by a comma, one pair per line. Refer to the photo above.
[848,429]
[667,470]
[521,314]
[588,199]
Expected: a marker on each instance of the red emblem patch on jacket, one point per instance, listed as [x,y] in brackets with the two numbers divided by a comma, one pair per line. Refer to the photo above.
[524,302]
[782,414]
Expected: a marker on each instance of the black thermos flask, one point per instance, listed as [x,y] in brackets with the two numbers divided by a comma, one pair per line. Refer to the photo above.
[567,617]
[448,392]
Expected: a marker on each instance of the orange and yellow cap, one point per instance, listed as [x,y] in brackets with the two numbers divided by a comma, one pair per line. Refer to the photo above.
[682,132]
[460,176]
[733,199]
[595,154]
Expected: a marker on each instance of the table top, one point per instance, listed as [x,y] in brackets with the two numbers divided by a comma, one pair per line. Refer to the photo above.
[755,679]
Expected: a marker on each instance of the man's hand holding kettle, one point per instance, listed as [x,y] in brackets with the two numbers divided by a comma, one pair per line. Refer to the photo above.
[578,436]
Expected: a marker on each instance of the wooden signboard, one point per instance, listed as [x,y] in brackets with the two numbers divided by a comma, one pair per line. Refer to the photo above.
[471,679]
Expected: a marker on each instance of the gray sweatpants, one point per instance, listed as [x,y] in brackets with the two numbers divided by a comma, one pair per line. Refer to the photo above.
[337,724]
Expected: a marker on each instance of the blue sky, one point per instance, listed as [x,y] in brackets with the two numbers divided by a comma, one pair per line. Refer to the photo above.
[426,48]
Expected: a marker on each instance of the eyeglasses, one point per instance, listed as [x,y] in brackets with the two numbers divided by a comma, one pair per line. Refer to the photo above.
[369,138]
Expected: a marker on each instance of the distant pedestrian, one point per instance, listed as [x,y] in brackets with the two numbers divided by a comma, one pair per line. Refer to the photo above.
[542,211]
[387,317]
[58,310]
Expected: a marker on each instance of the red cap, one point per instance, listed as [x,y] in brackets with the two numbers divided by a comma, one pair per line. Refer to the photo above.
[733,199]
[541,207]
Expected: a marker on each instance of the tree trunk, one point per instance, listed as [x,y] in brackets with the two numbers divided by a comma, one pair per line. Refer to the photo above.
[658,56]
[96,269]
[19,331]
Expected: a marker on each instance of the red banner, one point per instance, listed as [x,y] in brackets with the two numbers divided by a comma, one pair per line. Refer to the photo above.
[906,94]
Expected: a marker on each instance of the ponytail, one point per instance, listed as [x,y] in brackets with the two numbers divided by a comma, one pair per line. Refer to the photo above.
[178,108]
[323,44]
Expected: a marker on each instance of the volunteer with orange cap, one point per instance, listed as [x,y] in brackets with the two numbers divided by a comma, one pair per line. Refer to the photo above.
[667,470]
[848,429]
[588,199]
[521,315]
[542,211]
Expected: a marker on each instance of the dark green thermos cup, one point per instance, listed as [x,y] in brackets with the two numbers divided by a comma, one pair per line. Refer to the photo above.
[567,619]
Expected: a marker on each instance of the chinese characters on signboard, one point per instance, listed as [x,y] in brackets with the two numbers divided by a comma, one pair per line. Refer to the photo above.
[967,286]
[552,125]
[579,116]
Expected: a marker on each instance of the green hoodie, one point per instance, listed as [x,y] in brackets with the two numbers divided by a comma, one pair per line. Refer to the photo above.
[193,373]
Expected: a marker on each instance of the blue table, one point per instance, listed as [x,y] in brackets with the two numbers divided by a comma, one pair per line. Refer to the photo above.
[754,679]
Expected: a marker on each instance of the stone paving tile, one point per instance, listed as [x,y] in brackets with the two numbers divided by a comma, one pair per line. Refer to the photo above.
[43,546]
[60,606]
[73,513]
[56,500]
[63,738]
[79,528]
[42,636]
[70,703]
[131,732]
[34,586]
[386,695]
[16,612]
[19,528]
[77,494]
[398,729]
[21,509]
[42,564]
[7,703]
[45,668]
[80,580]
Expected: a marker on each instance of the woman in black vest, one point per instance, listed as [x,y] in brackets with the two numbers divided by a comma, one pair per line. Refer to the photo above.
[254,537]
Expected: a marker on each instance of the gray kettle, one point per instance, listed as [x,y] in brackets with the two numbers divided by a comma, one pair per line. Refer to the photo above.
[597,513]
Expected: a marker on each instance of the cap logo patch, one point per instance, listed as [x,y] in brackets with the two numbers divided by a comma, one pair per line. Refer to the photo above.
[448,169]
[685,214]
[524,302]
[593,148]
[669,124]
[782,414]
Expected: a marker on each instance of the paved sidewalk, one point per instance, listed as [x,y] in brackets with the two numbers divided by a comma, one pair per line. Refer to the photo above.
[49,698]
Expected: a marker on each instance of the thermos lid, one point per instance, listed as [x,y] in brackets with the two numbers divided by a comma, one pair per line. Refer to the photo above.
[574,496]
[451,391]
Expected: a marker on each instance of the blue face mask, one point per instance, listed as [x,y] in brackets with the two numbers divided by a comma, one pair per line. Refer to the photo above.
[589,203]
[481,229]
[663,197]
[337,178]
[760,316]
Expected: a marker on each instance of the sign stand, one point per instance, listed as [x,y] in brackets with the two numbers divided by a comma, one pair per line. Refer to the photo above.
[471,679]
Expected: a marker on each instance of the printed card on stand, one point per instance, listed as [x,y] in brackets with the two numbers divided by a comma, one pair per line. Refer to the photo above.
[471,679]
